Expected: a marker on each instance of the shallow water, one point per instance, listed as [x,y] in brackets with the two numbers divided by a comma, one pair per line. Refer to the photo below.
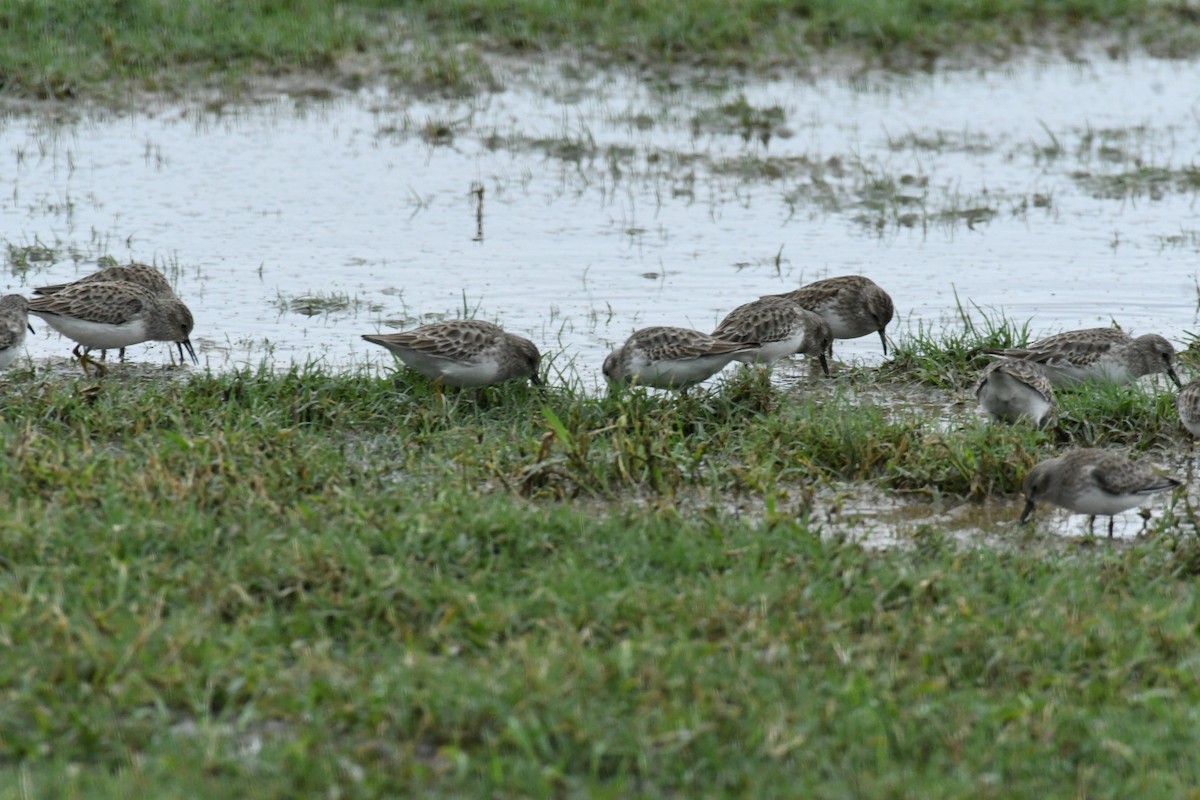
[611,204]
[881,521]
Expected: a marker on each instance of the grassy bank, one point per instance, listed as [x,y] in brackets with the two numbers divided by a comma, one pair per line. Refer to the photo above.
[311,584]
[76,48]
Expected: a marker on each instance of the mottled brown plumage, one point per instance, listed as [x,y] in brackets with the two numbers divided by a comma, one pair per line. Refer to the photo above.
[14,321]
[142,275]
[781,327]
[464,352]
[1010,389]
[671,358]
[1092,481]
[111,308]
[101,315]
[1097,354]
[853,305]
[1187,403]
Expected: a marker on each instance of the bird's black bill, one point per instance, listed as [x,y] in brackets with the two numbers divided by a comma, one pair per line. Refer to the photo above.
[824,364]
[31,330]
[1174,377]
[187,344]
[883,338]
[536,380]
[1027,513]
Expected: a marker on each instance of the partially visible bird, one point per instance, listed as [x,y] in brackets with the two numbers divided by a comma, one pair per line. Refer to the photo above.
[1097,354]
[853,305]
[671,358]
[1010,389]
[781,328]
[464,352]
[1187,403]
[14,320]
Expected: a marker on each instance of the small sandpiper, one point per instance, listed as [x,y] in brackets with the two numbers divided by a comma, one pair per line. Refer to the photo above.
[853,305]
[1097,354]
[142,275]
[464,353]
[1092,481]
[671,358]
[1010,389]
[1187,402]
[14,321]
[103,315]
[781,327]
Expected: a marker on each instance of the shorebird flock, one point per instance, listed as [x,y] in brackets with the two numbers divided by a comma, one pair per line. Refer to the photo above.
[125,305]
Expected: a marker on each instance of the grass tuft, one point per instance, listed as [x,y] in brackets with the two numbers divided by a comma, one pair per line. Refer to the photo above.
[951,358]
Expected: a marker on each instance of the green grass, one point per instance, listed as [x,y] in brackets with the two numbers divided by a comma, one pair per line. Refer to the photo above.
[311,584]
[77,48]
[951,356]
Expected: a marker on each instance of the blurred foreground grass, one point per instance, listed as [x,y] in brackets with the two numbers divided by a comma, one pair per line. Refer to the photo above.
[79,48]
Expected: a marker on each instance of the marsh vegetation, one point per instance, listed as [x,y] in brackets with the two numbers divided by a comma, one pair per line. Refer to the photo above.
[76,49]
[319,575]
[289,582]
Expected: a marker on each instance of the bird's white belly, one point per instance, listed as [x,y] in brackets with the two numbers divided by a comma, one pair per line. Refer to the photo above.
[1010,399]
[1064,374]
[668,374]
[1094,500]
[97,335]
[8,355]
[771,352]
[845,327]
[1192,424]
[478,372]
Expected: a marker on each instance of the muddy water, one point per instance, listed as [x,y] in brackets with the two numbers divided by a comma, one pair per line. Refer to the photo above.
[1055,192]
[879,520]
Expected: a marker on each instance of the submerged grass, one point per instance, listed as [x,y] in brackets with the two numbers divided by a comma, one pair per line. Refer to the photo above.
[304,583]
[70,48]
[1145,181]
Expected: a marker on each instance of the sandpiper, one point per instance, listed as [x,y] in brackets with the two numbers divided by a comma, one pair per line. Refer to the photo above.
[463,353]
[671,358]
[1187,402]
[14,320]
[1097,354]
[1092,481]
[102,315]
[780,327]
[1010,389]
[852,305]
[142,275]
